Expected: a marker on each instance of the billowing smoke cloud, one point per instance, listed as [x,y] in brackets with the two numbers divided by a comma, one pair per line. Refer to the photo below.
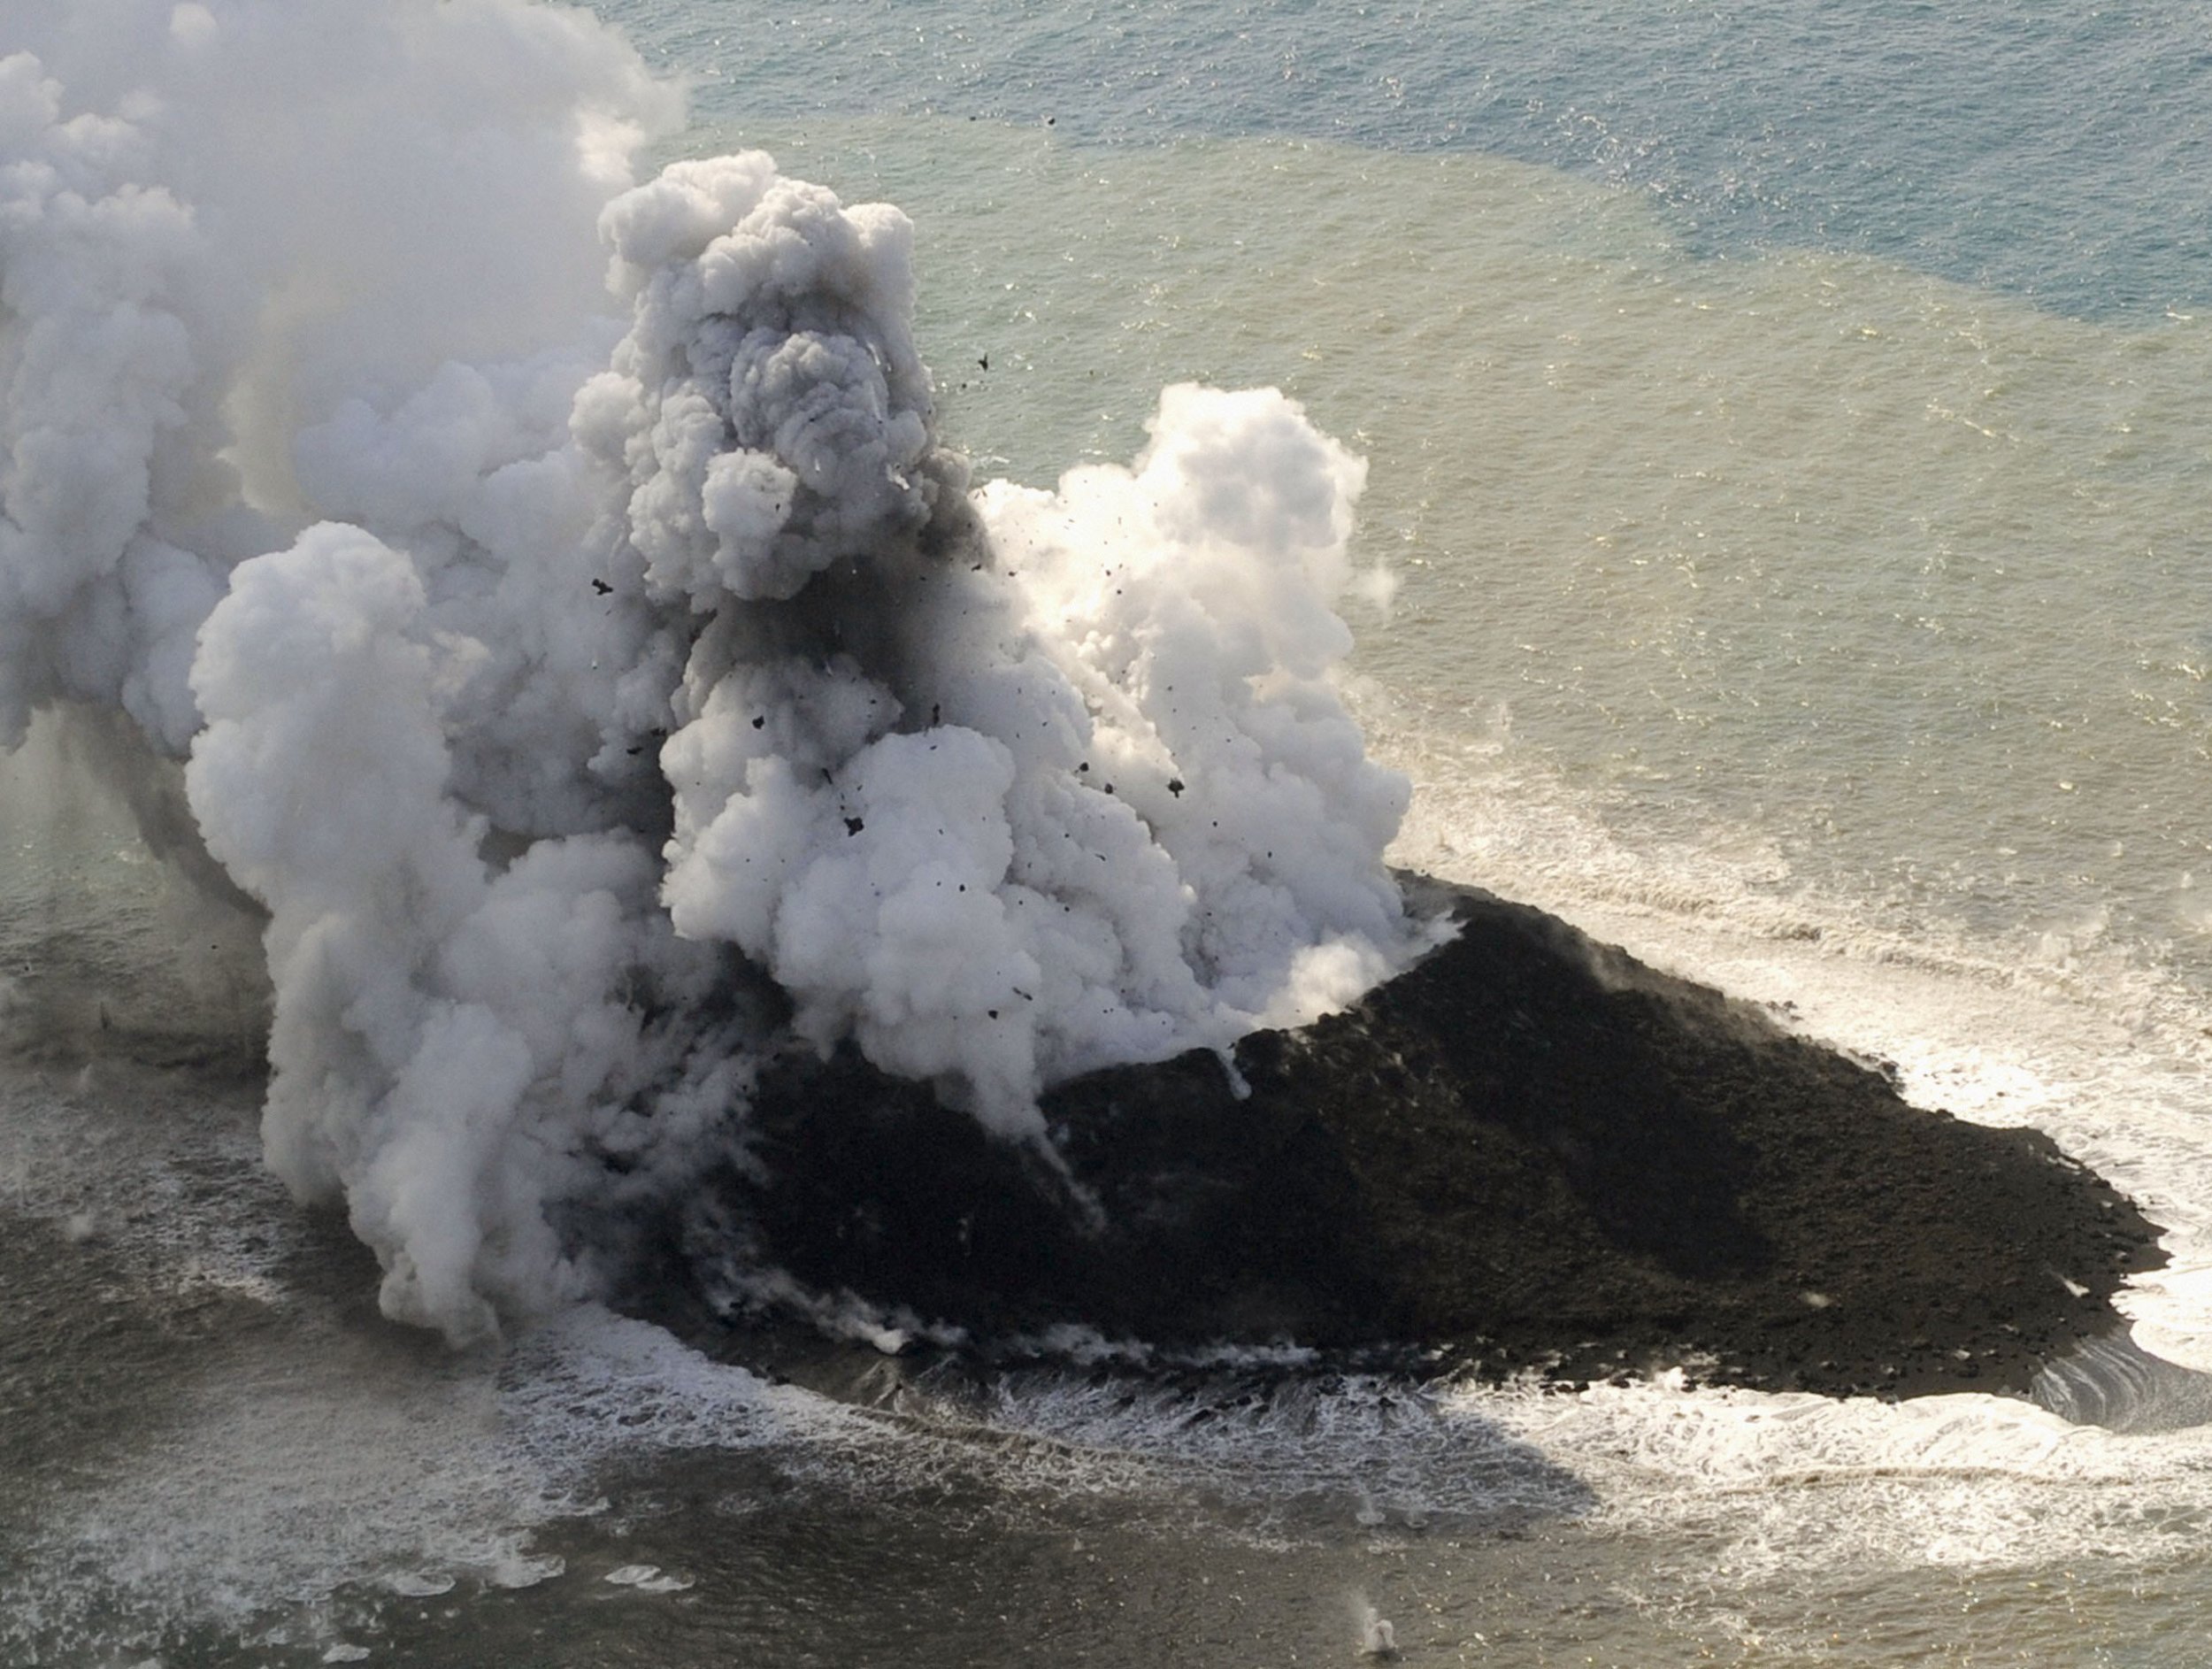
[555,692]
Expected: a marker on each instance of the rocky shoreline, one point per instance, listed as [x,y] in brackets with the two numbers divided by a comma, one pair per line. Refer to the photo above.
[1527,1153]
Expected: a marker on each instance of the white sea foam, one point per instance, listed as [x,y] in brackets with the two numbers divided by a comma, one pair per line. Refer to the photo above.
[2105,1048]
[2102,1047]
[1755,1486]
[322,1457]
[435,380]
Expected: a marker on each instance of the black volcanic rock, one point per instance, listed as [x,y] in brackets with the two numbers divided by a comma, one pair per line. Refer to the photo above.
[1529,1151]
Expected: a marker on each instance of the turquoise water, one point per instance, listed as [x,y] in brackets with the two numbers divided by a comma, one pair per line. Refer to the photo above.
[2054,153]
[1788,427]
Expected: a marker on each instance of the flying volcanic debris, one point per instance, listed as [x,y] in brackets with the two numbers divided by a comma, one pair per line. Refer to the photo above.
[583,649]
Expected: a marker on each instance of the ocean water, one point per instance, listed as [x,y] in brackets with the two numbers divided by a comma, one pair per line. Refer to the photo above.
[1788,428]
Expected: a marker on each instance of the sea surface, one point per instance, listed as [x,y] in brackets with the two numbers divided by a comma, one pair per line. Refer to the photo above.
[1790,428]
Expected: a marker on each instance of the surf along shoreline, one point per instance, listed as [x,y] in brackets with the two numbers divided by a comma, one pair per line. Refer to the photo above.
[1529,1153]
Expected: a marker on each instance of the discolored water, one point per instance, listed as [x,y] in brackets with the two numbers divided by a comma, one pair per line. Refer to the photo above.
[1788,427]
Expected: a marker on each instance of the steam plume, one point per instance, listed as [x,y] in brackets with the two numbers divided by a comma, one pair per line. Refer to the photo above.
[554,662]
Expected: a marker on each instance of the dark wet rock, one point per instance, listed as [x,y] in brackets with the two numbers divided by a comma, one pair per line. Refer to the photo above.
[1530,1151]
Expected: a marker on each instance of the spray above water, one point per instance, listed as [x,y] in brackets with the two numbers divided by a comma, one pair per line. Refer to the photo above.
[596,694]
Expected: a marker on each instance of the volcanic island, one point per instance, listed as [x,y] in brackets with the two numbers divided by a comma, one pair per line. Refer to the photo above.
[1528,1154]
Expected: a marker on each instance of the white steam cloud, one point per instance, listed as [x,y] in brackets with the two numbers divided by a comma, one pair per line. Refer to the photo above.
[561,646]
